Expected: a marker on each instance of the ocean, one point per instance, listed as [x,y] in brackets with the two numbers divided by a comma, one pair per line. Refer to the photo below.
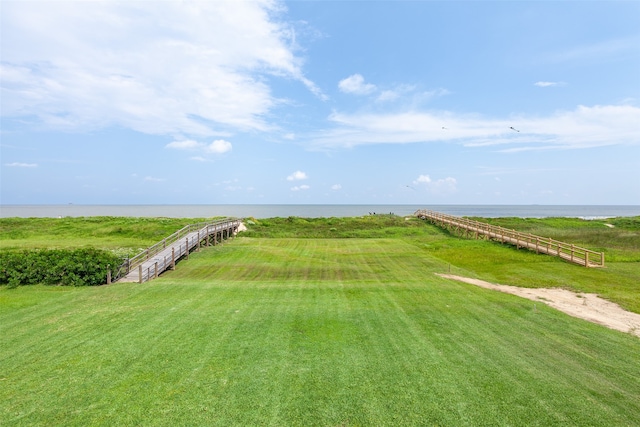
[315,211]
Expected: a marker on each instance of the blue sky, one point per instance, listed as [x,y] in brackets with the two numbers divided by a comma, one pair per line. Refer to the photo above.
[329,102]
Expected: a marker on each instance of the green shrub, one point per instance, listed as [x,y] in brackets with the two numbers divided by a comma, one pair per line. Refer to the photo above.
[77,267]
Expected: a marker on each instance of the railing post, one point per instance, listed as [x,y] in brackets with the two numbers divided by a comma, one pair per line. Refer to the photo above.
[140,273]
[173,258]
[571,253]
[155,273]
[108,275]
[586,259]
[198,241]
[187,247]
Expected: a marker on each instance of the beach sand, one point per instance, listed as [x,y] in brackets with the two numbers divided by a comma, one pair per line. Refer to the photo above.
[584,306]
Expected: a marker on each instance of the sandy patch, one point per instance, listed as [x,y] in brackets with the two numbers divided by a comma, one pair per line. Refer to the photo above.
[584,306]
[242,227]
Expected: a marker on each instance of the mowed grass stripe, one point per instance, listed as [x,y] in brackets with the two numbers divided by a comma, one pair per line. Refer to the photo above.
[325,332]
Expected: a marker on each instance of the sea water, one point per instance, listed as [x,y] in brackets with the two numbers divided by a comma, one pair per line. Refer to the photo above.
[315,211]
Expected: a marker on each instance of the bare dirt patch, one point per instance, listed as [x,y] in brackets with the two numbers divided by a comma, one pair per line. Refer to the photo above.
[584,306]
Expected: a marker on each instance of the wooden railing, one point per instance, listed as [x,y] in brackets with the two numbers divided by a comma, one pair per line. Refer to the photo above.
[545,245]
[202,230]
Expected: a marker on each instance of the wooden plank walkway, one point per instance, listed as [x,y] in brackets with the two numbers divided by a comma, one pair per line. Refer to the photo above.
[164,255]
[545,245]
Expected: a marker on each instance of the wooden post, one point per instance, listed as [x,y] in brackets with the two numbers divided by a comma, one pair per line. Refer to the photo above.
[208,235]
[140,273]
[108,275]
[155,272]
[173,258]
[586,259]
[198,249]
[187,247]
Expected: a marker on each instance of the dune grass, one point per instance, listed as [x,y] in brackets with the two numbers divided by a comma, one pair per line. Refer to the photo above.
[125,235]
[291,331]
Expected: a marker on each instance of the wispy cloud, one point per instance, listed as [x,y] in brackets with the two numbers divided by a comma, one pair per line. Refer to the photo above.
[155,67]
[153,179]
[548,84]
[598,51]
[300,188]
[219,146]
[355,84]
[336,187]
[297,176]
[446,185]
[582,127]
[187,144]
[21,165]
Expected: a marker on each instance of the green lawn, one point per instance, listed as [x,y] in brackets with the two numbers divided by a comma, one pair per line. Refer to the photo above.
[300,331]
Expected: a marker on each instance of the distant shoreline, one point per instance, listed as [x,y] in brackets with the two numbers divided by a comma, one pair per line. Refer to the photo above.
[316,210]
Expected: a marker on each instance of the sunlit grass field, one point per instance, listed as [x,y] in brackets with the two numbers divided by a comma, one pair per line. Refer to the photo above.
[354,329]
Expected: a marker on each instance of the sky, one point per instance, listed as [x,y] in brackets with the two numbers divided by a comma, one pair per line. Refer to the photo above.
[320,102]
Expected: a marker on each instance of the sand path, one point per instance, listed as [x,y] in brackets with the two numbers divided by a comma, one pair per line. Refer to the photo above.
[584,306]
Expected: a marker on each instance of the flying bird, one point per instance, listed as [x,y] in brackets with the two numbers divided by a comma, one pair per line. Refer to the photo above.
[512,128]
[444,128]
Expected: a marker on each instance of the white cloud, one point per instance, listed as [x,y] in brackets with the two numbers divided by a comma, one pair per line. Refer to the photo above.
[162,67]
[21,165]
[300,188]
[219,146]
[355,84]
[547,84]
[422,179]
[336,187]
[297,176]
[440,186]
[583,127]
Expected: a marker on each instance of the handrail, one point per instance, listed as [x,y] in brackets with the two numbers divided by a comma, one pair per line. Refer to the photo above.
[546,245]
[131,263]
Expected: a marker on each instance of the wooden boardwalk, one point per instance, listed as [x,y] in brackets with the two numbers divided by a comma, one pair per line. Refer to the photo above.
[543,245]
[164,255]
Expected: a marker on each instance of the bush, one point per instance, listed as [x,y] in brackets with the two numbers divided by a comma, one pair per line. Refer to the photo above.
[77,267]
